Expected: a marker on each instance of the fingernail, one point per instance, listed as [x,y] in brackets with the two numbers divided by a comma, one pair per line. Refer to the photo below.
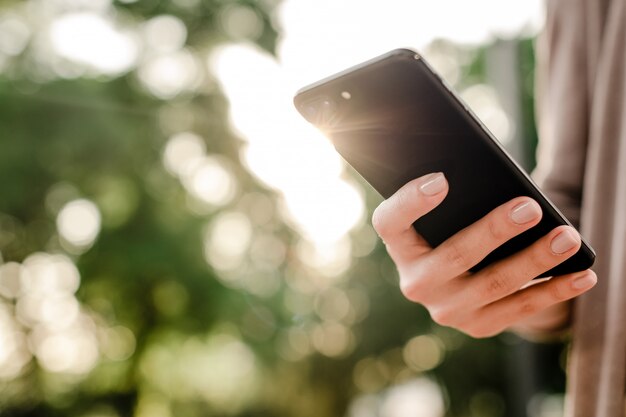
[584,282]
[433,184]
[525,212]
[564,241]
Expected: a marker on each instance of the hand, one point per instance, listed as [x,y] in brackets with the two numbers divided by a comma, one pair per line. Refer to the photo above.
[501,295]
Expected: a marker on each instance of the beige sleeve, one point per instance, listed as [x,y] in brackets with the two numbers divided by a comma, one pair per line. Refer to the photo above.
[562,107]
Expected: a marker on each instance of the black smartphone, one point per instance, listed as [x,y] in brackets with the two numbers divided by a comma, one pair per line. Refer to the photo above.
[393,119]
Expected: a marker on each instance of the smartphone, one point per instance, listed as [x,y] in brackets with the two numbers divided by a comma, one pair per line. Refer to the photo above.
[393,119]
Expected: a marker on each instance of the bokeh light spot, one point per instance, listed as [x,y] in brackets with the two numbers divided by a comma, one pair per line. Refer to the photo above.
[13,352]
[294,344]
[72,353]
[170,74]
[268,252]
[211,181]
[118,343]
[14,35]
[10,279]
[43,273]
[417,398]
[227,240]
[423,353]
[59,310]
[182,151]
[78,223]
[330,259]
[241,22]
[333,339]
[165,33]
[332,304]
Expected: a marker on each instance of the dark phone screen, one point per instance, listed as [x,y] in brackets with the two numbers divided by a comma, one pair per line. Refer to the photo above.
[400,122]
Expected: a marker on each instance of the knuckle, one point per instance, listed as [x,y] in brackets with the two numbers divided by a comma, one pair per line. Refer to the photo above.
[527,306]
[417,280]
[556,292]
[481,329]
[497,284]
[485,329]
[478,332]
[444,316]
[413,288]
[411,291]
[540,262]
[493,332]
[456,256]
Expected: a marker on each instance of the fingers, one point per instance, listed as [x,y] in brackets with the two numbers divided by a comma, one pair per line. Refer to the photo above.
[498,316]
[487,302]
[393,219]
[507,276]
[471,245]
[491,300]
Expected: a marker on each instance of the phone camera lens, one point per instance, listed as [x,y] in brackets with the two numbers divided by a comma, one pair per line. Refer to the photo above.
[309,111]
[319,111]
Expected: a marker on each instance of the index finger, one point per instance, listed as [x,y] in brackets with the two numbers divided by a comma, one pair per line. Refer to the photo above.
[393,219]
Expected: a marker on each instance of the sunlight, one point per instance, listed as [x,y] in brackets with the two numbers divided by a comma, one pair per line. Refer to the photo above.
[90,39]
[320,38]
[326,36]
[285,152]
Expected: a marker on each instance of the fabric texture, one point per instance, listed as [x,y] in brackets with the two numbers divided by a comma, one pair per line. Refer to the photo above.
[581,165]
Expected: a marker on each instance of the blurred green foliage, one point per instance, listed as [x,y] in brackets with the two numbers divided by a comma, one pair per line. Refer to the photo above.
[174,338]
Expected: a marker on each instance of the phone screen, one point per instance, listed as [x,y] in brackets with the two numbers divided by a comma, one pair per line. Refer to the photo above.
[393,120]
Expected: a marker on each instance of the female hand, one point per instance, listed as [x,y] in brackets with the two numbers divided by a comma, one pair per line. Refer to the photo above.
[499,296]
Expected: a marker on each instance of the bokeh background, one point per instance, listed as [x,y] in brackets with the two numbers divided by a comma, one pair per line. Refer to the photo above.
[176,241]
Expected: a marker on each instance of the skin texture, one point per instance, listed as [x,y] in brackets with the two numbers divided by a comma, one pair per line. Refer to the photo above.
[501,296]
